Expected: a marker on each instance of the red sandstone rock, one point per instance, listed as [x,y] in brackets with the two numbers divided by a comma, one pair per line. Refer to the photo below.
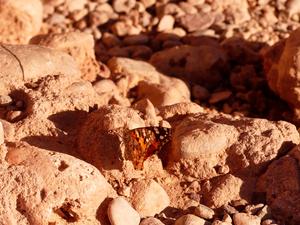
[49,187]
[282,66]
[23,17]
[79,45]
[25,63]
[281,185]
[203,64]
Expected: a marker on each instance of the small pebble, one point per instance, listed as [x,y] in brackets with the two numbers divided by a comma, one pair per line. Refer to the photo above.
[218,222]
[265,212]
[245,219]
[227,218]
[199,92]
[269,222]
[149,198]
[166,23]
[230,209]
[151,221]
[120,212]
[12,116]
[19,104]
[204,212]
[190,219]
[140,39]
[148,3]
[123,5]
[98,18]
[253,209]
[219,96]
[5,100]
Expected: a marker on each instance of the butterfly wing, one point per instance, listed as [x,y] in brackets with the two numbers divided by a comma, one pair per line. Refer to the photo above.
[143,142]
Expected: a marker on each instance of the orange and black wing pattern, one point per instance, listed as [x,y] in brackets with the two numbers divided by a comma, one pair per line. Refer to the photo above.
[143,142]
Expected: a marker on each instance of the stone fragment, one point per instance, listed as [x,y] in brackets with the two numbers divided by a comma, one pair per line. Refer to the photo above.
[168,92]
[229,209]
[226,189]
[120,28]
[8,130]
[105,7]
[140,39]
[65,189]
[245,219]
[149,198]
[14,116]
[196,2]
[120,212]
[20,20]
[253,209]
[179,109]
[151,221]
[78,15]
[190,219]
[170,9]
[282,191]
[199,92]
[5,100]
[149,112]
[218,222]
[166,23]
[204,212]
[219,96]
[188,8]
[196,22]
[110,40]
[269,222]
[203,64]
[79,45]
[148,3]
[265,212]
[123,5]
[36,61]
[133,70]
[73,5]
[206,142]
[281,64]
[105,86]
[236,11]
[97,18]
[293,7]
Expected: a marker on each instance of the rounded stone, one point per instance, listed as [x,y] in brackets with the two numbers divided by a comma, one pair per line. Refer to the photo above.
[190,219]
[149,198]
[120,212]
[245,219]
[204,212]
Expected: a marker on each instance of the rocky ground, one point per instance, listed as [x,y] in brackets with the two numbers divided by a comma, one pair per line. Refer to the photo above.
[218,80]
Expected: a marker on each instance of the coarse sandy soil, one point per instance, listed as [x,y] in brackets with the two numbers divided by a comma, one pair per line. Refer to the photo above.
[149,112]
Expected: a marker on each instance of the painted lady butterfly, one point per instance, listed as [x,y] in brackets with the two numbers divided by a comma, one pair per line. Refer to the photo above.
[143,142]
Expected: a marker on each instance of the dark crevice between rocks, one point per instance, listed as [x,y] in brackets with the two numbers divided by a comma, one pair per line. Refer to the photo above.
[18,109]
[67,212]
